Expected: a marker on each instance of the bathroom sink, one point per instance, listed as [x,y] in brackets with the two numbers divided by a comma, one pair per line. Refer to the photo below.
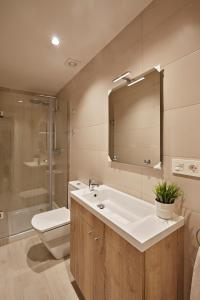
[133,218]
[94,196]
[117,206]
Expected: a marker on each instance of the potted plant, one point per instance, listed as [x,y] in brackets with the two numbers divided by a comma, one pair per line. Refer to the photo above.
[166,195]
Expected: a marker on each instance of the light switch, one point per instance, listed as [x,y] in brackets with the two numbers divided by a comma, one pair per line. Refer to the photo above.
[187,167]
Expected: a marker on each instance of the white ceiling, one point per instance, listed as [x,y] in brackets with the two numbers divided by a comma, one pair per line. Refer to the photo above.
[29,62]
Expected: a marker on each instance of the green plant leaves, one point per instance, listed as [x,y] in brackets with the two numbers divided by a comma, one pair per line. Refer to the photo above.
[167,193]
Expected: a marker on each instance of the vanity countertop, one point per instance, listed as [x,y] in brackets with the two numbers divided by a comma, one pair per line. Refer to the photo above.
[132,218]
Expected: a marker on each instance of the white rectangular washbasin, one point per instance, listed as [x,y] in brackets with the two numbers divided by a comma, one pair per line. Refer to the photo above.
[132,218]
[117,207]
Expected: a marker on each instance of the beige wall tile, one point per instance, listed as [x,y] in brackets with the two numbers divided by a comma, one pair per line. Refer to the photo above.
[181,82]
[124,52]
[167,42]
[87,110]
[158,12]
[92,138]
[88,164]
[122,178]
[181,132]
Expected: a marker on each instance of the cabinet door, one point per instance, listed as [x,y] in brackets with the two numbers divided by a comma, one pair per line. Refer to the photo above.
[87,269]
[164,268]
[87,252]
[76,243]
[123,269]
[98,265]
[92,285]
[81,250]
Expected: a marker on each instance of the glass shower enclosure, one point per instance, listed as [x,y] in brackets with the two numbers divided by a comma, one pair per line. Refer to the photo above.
[27,160]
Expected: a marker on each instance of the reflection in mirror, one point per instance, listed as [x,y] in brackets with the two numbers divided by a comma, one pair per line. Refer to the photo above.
[135,121]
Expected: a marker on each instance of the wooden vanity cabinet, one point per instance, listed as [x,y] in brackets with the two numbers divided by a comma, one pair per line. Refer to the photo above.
[87,252]
[107,267]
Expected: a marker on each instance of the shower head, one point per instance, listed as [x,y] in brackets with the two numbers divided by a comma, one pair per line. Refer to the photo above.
[1,114]
[35,101]
[42,99]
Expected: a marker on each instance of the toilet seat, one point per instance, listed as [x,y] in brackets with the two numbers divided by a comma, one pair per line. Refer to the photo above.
[51,219]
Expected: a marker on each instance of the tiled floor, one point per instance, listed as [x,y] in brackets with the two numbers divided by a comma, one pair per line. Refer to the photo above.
[29,272]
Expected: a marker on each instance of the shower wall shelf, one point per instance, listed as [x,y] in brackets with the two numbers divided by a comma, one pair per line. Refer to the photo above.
[33,193]
[35,164]
[56,171]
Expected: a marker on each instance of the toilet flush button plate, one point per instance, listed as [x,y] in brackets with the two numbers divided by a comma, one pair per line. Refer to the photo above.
[188,167]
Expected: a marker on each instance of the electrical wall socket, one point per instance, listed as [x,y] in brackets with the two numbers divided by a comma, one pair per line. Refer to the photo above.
[188,167]
[1,215]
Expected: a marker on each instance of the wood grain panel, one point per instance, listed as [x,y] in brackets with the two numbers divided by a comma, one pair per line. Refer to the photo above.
[162,270]
[125,248]
[87,252]
[107,267]
[121,279]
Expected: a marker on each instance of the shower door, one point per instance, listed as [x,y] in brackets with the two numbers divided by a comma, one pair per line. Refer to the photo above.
[26,181]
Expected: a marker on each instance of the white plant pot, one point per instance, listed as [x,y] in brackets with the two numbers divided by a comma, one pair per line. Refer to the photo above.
[164,211]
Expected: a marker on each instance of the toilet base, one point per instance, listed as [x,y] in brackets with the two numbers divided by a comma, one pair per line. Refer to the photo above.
[57,241]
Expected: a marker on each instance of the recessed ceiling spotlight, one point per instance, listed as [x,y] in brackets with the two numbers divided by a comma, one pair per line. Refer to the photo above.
[71,62]
[55,41]
[20,101]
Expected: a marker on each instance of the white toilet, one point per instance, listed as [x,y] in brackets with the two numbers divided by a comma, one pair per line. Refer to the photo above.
[53,227]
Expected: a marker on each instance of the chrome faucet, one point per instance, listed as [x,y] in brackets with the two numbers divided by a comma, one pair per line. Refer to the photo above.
[92,185]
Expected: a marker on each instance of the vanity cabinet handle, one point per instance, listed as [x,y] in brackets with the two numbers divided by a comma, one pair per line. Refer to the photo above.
[97,238]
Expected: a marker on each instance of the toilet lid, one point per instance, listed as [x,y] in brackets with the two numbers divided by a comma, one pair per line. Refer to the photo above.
[51,219]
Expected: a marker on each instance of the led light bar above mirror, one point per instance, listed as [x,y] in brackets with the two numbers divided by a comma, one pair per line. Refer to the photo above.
[135,81]
[122,76]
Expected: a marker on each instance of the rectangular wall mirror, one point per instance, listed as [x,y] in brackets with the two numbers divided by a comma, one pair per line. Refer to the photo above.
[135,121]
